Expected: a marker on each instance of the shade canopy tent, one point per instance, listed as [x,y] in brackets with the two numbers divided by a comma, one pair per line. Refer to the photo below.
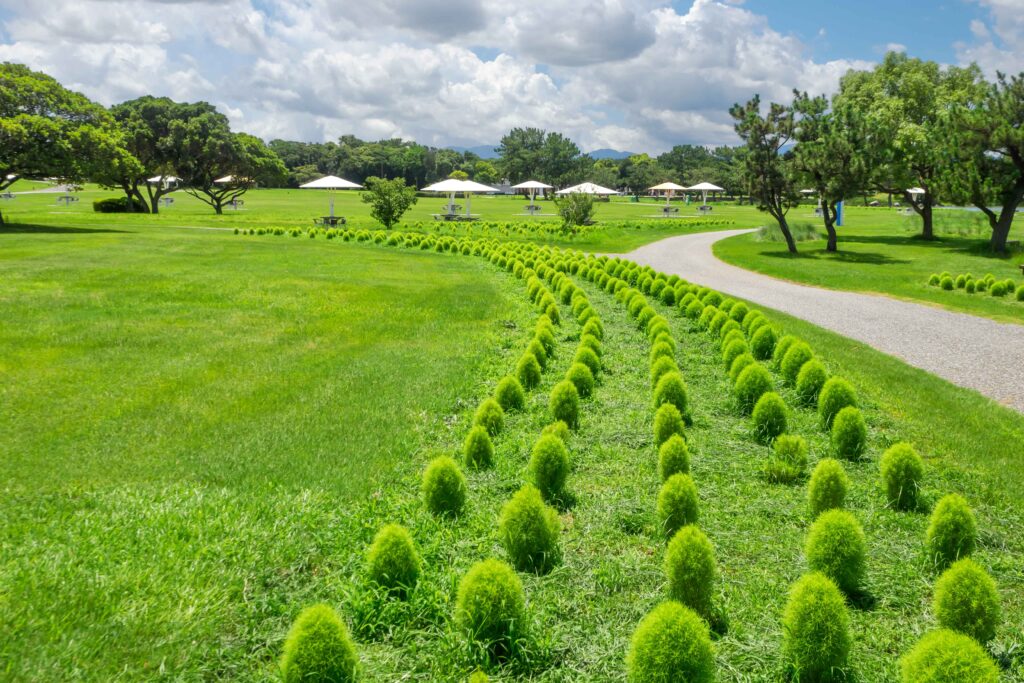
[914,191]
[453,185]
[669,189]
[588,188]
[704,188]
[330,182]
[532,186]
[164,180]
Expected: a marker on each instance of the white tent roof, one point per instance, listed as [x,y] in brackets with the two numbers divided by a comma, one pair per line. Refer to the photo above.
[916,190]
[163,179]
[808,191]
[531,185]
[706,187]
[587,188]
[329,182]
[667,186]
[456,185]
[226,179]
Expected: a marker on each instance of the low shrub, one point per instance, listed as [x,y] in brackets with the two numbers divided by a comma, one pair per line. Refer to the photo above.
[547,340]
[589,341]
[319,648]
[564,403]
[444,487]
[715,325]
[762,343]
[849,433]
[752,383]
[536,349]
[731,336]
[946,283]
[392,561]
[788,461]
[660,367]
[739,363]
[529,531]
[580,375]
[672,643]
[952,531]
[735,348]
[997,289]
[729,327]
[739,311]
[673,457]
[677,504]
[691,571]
[588,358]
[835,395]
[694,309]
[509,394]
[981,285]
[661,349]
[549,466]
[119,205]
[960,281]
[798,354]
[769,418]
[966,601]
[490,607]
[810,380]
[816,630]
[490,416]
[828,486]
[902,471]
[944,656]
[712,298]
[477,449]
[934,280]
[1019,295]
[672,389]
[781,347]
[528,371]
[706,316]
[749,318]
[559,429]
[836,547]
[667,421]
[594,328]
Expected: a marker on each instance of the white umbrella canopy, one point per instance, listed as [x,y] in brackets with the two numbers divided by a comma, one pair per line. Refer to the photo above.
[669,189]
[587,188]
[704,188]
[330,182]
[916,190]
[453,185]
[163,179]
[532,186]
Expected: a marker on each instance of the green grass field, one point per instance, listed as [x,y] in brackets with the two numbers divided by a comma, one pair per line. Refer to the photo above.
[879,252]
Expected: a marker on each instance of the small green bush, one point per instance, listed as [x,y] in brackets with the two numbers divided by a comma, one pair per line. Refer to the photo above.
[593,327]
[589,341]
[788,461]
[835,395]
[970,287]
[559,429]
[739,311]
[715,325]
[739,363]
[661,367]
[547,340]
[691,571]
[960,281]
[836,547]
[902,471]
[752,383]
[749,318]
[952,531]
[673,457]
[816,630]
[564,403]
[981,285]
[712,298]
[1019,295]
[588,358]
[318,648]
[828,486]
[706,316]
[735,348]
[762,343]
[490,416]
[729,327]
[769,418]
[661,350]
[529,531]
[580,375]
[477,449]
[798,354]
[677,504]
[667,421]
[781,347]
[528,371]
[849,433]
[756,324]
[810,380]
[934,280]
[694,309]
[966,601]
[945,656]
[731,336]
[490,607]
[444,487]
[392,561]
[997,289]
[946,283]
[119,205]
[672,644]
[549,466]
[672,389]
[537,350]
[509,394]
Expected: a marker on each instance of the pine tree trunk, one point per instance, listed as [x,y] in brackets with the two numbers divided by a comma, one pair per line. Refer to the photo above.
[830,214]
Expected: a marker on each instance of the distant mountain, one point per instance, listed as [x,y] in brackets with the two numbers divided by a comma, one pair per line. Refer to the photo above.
[482,151]
[609,154]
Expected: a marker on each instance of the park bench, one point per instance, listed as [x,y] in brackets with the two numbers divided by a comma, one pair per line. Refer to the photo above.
[669,210]
[67,199]
[705,208]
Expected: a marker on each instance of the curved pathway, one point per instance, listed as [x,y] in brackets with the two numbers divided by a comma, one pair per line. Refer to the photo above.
[970,351]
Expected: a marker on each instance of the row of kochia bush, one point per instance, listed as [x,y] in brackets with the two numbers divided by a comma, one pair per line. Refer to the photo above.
[987,284]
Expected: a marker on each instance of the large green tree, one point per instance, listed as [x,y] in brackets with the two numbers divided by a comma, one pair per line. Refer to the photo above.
[388,199]
[531,153]
[47,130]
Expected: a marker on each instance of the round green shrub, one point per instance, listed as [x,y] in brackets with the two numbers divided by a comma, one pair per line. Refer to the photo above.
[392,561]
[835,395]
[762,343]
[694,309]
[730,326]
[581,376]
[735,348]
[509,394]
[1010,285]
[756,324]
[946,283]
[559,429]
[490,416]
[997,289]
[589,341]
[706,316]
[664,337]
[934,280]
[537,350]
[945,656]
[731,336]
[661,350]
[490,607]
[836,547]
[444,487]
[712,298]
[672,644]
[547,340]
[668,296]
[549,466]
[902,471]
[593,327]
[660,367]
[798,354]
[739,363]
[789,459]
[966,601]
[657,326]
[667,421]
[528,371]
[960,281]
[739,311]
[816,630]
[828,486]
[691,571]
[981,285]
[781,347]
[1019,295]
[677,503]
[749,318]
[810,380]
[673,457]
[477,449]
[970,287]
[849,433]
[588,358]
[769,418]
[318,648]
[752,383]
[529,531]
[952,531]
[646,315]
[727,304]
[716,322]
[564,403]
[672,389]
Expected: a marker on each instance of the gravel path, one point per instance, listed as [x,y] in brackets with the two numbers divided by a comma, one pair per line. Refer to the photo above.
[967,350]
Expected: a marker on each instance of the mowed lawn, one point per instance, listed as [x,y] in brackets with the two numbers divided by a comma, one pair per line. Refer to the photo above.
[879,251]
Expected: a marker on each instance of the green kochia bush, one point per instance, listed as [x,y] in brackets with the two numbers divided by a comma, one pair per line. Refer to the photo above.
[677,503]
[902,471]
[509,394]
[477,449]
[836,547]
[691,571]
[828,486]
[528,371]
[490,416]
[667,421]
[732,350]
[547,340]
[581,376]
[588,358]
[319,648]
[444,487]
[392,561]
[945,656]
[789,459]
[671,645]
[660,367]
[781,347]
[490,607]
[816,630]
[537,349]
[769,418]
[835,395]
[798,354]
[564,403]
[810,380]
[762,343]
[966,601]
[673,457]
[946,283]
[952,532]
[529,531]
[751,384]
[672,389]
[549,466]
[849,433]
[739,364]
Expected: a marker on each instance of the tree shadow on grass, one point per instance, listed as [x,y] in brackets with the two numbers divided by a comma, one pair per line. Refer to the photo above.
[973,246]
[21,228]
[864,257]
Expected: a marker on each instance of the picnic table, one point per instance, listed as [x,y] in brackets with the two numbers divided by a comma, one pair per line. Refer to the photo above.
[329,220]
[67,199]
[532,208]
[667,211]
[235,203]
[166,201]
[456,217]
[704,208]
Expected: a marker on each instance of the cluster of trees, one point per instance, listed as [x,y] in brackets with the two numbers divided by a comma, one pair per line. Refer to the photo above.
[905,124]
